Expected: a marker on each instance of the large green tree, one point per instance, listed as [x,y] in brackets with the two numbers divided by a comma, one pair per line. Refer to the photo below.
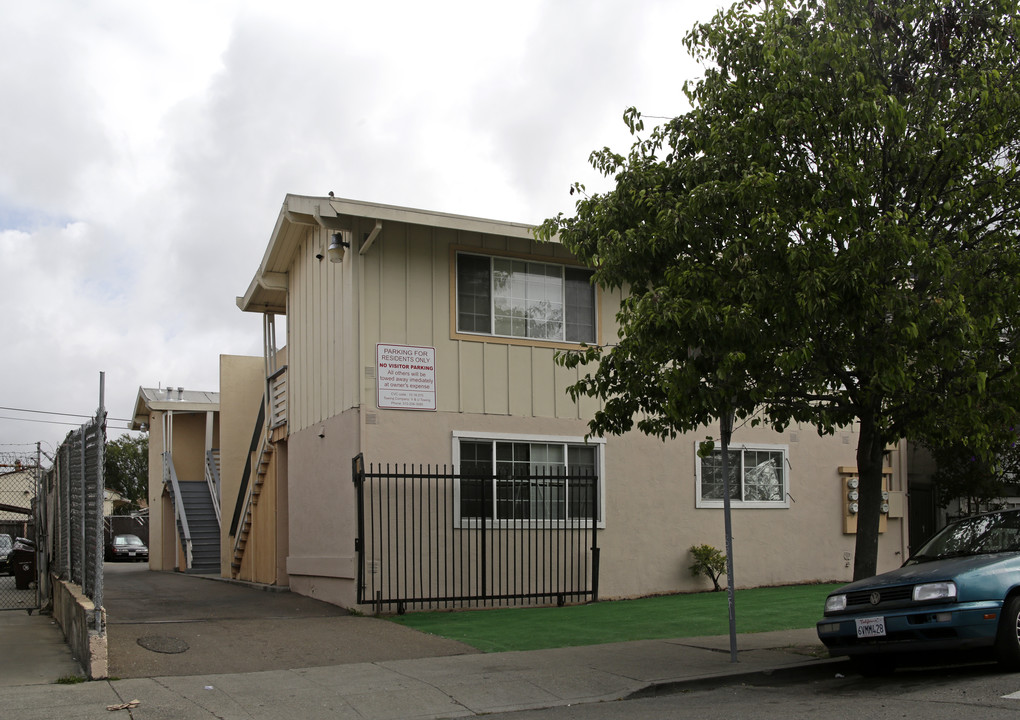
[829,235]
[975,480]
[126,468]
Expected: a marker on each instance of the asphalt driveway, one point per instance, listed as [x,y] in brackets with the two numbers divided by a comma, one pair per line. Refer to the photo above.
[166,623]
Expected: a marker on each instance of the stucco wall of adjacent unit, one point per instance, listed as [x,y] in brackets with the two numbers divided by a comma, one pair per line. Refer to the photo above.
[242,385]
[651,518]
[322,511]
[189,435]
[160,549]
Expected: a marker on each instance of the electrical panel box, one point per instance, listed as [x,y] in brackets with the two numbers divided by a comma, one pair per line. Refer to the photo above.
[892,503]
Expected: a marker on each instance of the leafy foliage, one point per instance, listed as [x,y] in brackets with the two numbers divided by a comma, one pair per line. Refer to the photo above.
[829,235]
[976,480]
[708,561]
[127,468]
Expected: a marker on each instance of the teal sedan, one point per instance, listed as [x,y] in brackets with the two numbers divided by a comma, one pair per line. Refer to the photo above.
[960,592]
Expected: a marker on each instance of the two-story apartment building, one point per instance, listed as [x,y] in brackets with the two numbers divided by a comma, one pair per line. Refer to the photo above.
[423,338]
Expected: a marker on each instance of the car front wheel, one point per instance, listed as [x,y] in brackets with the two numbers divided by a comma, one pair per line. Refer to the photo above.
[1007,640]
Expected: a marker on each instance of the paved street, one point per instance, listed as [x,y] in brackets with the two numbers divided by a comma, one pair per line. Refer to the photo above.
[977,691]
[188,648]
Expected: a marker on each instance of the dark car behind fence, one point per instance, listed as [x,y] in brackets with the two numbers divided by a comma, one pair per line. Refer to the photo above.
[429,537]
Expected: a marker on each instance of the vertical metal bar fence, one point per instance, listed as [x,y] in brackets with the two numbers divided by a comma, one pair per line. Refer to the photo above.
[528,540]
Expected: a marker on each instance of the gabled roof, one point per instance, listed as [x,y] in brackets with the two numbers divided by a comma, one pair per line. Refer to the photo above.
[177,399]
[267,291]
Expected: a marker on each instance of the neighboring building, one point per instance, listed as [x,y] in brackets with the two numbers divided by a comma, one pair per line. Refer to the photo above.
[432,342]
[17,490]
[203,442]
[17,494]
[113,502]
[184,438]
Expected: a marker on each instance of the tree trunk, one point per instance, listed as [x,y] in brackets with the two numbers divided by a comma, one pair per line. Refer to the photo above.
[869,468]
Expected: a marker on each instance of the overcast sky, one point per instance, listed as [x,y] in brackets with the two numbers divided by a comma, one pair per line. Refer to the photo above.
[146,148]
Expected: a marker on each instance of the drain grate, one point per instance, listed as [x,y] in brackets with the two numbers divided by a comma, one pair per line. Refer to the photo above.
[163,644]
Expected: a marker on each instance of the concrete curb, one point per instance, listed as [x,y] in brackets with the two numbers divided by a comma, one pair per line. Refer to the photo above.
[811,671]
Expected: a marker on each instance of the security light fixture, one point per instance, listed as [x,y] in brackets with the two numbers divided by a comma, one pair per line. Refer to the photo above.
[336,247]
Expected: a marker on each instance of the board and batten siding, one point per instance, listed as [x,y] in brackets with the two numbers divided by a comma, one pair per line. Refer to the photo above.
[403,289]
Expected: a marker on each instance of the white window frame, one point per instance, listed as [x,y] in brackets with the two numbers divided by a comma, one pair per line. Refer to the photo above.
[702,502]
[600,460]
[491,257]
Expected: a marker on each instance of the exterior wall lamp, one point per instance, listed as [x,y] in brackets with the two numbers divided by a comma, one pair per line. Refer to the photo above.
[336,247]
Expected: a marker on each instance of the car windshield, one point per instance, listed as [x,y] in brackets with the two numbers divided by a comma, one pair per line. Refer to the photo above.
[991,533]
[127,540]
[5,543]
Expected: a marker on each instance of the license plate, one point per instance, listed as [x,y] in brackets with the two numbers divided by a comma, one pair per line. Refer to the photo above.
[131,553]
[870,627]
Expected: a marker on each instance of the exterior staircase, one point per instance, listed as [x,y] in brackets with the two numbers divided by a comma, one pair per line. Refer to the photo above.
[244,529]
[205,528]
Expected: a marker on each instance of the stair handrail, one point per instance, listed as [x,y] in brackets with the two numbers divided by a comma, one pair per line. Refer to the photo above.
[242,491]
[244,494]
[170,476]
[248,501]
[212,479]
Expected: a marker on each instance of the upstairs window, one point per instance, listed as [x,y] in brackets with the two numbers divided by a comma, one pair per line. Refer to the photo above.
[509,297]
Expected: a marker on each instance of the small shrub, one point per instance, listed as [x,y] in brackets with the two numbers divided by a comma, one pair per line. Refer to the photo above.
[708,562]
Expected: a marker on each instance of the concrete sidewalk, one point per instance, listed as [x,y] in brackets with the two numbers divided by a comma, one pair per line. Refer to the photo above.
[432,687]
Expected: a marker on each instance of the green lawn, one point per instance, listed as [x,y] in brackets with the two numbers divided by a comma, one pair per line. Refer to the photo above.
[669,616]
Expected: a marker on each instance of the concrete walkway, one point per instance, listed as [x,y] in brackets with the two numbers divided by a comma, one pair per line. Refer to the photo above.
[443,687]
[415,675]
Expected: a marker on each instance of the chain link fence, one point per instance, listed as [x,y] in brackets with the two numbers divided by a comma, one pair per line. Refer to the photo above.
[19,483]
[74,513]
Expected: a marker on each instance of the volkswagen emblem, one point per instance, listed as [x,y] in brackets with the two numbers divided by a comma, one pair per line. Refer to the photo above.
[876,598]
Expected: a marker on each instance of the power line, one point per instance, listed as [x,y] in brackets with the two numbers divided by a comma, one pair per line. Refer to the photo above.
[46,422]
[45,412]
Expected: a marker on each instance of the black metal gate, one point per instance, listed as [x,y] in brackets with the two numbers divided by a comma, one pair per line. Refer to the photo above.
[431,538]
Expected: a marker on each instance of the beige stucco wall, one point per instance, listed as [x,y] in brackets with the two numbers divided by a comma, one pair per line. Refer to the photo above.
[242,385]
[650,499]
[323,516]
[651,518]
[156,494]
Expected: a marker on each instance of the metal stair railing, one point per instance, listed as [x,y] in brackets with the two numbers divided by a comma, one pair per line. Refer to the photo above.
[244,527]
[242,508]
[212,479]
[170,476]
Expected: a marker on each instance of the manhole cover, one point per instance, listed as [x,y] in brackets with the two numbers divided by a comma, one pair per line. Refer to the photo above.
[163,644]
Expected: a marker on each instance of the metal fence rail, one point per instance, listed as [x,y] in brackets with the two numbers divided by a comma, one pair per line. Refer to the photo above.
[74,511]
[429,538]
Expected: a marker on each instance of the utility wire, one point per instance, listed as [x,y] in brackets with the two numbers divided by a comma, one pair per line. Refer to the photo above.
[50,422]
[44,412]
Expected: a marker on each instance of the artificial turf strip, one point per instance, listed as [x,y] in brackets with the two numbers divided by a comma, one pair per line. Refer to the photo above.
[667,616]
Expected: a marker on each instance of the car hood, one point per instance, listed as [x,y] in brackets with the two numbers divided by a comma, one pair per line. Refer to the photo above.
[934,570]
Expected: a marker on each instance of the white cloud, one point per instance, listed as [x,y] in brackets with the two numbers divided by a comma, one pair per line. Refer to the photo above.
[147,148]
